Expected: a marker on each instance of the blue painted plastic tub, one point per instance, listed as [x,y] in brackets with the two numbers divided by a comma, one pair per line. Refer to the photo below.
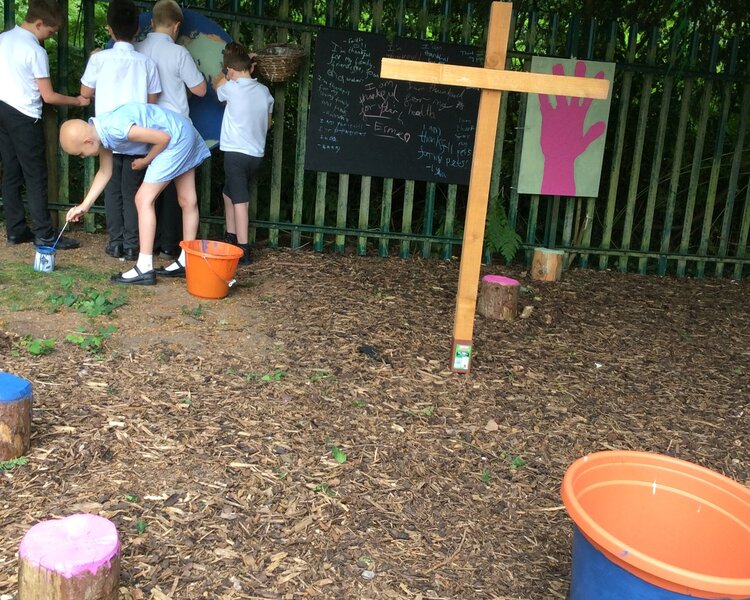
[653,527]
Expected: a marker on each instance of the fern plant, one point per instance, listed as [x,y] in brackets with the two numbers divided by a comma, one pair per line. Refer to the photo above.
[499,236]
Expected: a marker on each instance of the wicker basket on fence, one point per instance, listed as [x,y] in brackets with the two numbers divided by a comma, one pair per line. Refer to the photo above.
[279,62]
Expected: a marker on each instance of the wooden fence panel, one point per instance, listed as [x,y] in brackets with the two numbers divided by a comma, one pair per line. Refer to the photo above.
[671,100]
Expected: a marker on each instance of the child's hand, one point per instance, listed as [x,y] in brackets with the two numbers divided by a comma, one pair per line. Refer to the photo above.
[83,101]
[75,213]
[139,164]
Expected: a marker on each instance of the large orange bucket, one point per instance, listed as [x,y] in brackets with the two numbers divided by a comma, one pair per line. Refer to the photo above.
[210,267]
[655,527]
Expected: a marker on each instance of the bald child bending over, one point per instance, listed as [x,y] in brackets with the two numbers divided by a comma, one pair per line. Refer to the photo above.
[172,149]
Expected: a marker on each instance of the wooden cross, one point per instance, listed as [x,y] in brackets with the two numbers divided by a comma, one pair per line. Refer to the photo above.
[491,79]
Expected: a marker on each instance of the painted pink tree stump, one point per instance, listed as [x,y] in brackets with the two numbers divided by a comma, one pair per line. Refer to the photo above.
[15,416]
[76,558]
[498,297]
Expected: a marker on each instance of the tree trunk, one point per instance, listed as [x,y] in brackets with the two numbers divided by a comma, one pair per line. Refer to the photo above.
[498,297]
[15,416]
[547,264]
[76,558]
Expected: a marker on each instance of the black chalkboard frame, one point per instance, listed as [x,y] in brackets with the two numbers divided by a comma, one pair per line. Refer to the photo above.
[362,124]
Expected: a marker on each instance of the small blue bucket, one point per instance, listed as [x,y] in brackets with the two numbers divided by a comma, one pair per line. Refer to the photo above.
[44,260]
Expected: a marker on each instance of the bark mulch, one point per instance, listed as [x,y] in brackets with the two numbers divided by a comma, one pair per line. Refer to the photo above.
[304,438]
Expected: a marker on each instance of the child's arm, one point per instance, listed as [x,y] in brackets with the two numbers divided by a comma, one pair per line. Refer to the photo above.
[101,178]
[159,140]
[87,92]
[219,80]
[153,98]
[270,121]
[50,96]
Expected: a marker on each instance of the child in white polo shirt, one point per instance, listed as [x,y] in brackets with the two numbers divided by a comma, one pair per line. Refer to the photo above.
[178,74]
[114,77]
[247,119]
[25,77]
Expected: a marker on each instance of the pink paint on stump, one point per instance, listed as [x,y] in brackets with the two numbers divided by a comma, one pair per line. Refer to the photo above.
[71,546]
[499,279]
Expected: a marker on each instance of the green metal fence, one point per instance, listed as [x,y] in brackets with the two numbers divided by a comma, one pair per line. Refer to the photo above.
[675,190]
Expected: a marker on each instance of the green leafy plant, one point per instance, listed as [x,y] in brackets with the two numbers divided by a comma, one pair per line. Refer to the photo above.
[318,375]
[499,236]
[7,465]
[325,488]
[277,375]
[90,302]
[37,346]
[427,411]
[92,342]
[141,526]
[517,462]
[339,455]
[131,498]
[197,312]
[486,476]
[359,403]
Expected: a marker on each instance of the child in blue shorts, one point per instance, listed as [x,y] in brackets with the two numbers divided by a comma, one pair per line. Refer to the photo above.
[175,150]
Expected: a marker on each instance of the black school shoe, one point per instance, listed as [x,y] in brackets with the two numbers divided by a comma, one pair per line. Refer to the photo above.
[163,272]
[245,259]
[147,278]
[113,250]
[24,238]
[64,243]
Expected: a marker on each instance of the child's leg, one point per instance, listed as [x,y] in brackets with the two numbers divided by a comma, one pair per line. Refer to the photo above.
[131,181]
[113,208]
[187,198]
[230,225]
[242,221]
[144,202]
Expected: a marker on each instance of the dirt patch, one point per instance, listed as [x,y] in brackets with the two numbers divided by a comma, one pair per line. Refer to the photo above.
[206,431]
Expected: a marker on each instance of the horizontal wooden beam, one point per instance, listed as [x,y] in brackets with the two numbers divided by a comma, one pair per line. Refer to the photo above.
[491,79]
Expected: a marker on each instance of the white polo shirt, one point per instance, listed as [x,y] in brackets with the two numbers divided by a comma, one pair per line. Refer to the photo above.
[120,75]
[23,60]
[177,69]
[245,123]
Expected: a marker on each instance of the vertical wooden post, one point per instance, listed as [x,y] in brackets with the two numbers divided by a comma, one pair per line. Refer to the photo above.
[479,188]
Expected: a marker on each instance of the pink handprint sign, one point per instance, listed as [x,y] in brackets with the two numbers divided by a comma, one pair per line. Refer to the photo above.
[563,143]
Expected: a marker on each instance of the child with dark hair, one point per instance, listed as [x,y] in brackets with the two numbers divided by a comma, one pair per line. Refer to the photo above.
[114,77]
[26,84]
[247,119]
[175,149]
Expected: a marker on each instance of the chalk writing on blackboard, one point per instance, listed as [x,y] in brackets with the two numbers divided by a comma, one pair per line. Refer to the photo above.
[362,124]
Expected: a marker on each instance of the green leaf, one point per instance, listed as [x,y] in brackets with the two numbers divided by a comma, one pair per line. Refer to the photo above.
[517,462]
[499,235]
[131,498]
[339,455]
[7,465]
[141,526]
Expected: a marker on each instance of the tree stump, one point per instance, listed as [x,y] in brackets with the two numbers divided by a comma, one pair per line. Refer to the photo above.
[498,297]
[76,558]
[15,416]
[547,264]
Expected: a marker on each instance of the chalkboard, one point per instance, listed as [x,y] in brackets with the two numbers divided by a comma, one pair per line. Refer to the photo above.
[362,124]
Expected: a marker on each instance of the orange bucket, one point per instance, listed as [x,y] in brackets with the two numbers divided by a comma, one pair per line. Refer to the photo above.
[661,523]
[210,267]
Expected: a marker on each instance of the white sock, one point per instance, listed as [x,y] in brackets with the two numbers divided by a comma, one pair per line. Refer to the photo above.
[145,264]
[179,263]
